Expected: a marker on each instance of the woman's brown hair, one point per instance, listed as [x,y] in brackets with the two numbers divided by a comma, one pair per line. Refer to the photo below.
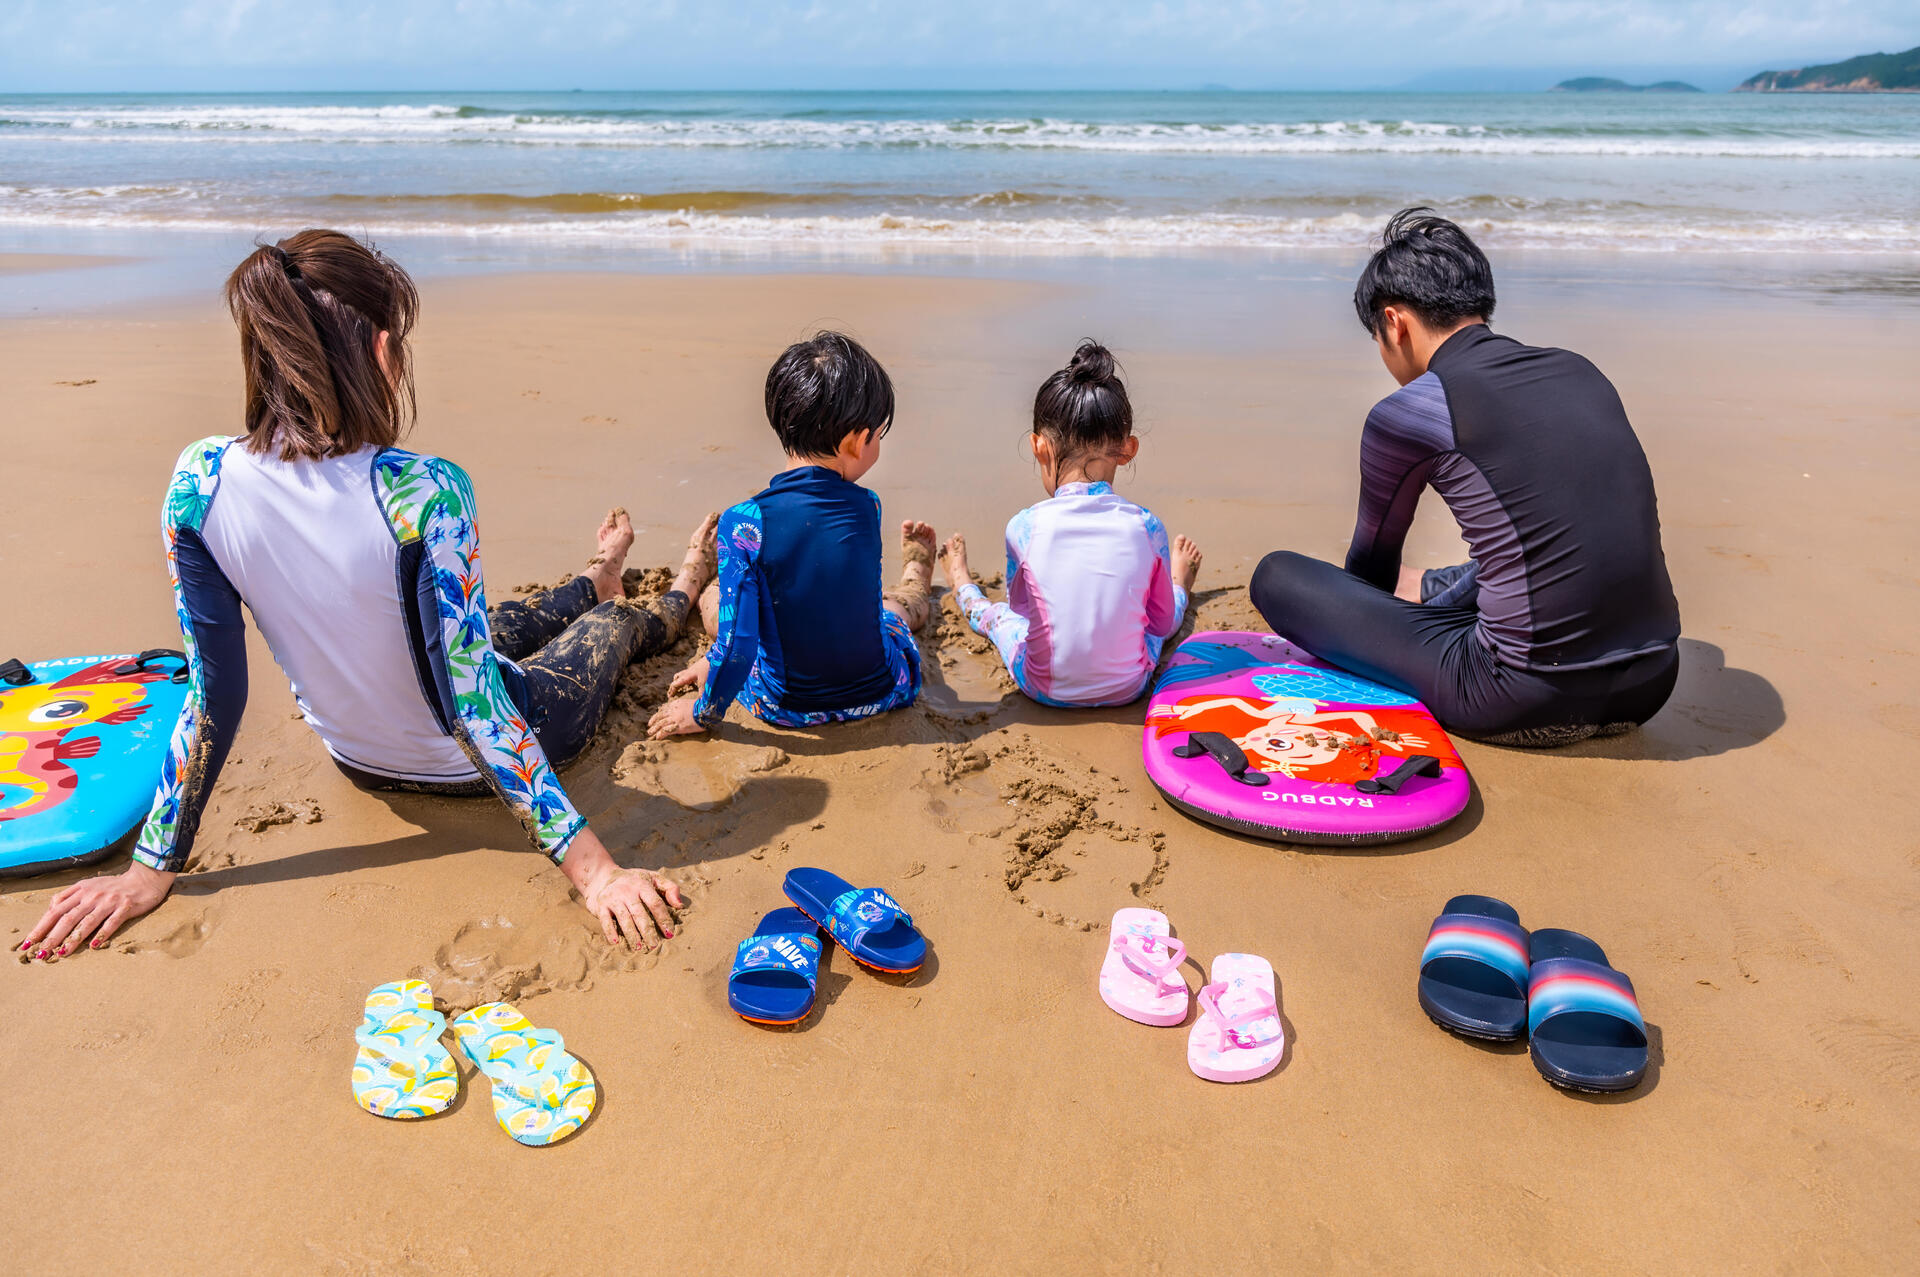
[310,310]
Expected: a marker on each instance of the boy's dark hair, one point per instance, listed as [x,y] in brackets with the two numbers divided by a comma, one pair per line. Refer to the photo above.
[1428,265]
[823,389]
[1084,406]
[310,310]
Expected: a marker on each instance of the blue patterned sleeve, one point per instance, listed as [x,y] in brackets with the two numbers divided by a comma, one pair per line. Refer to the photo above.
[736,647]
[213,635]
[431,501]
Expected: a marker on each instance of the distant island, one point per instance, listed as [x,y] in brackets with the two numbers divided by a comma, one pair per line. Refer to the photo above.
[1600,84]
[1868,73]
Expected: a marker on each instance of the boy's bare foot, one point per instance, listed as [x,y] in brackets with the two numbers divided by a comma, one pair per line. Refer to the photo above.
[702,559]
[1186,562]
[954,555]
[604,568]
[912,598]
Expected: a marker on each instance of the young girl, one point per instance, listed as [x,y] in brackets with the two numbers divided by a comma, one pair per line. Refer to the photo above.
[360,563]
[1093,591]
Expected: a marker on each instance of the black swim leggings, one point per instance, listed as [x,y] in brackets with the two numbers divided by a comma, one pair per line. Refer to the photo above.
[572,650]
[1432,650]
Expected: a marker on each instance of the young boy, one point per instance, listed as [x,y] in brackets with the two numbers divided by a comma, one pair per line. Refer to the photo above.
[803,632]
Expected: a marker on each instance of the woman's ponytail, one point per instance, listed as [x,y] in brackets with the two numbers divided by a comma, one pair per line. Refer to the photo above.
[310,310]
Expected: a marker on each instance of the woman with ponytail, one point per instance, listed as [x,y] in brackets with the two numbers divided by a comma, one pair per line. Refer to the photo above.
[360,564]
[1093,587]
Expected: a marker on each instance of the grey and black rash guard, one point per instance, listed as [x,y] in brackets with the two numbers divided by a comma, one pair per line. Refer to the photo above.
[1531,450]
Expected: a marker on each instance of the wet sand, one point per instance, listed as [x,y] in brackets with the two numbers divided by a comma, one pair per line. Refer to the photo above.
[1748,858]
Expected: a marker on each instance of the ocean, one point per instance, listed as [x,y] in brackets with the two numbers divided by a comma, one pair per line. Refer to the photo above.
[518,174]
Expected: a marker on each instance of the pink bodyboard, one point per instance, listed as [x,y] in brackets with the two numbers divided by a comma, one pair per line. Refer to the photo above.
[1321,746]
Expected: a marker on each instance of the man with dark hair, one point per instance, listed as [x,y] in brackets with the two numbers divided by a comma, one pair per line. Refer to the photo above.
[1563,624]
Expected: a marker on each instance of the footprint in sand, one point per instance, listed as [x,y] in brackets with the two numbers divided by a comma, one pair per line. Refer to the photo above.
[1904,719]
[496,960]
[696,777]
[185,938]
[1880,1050]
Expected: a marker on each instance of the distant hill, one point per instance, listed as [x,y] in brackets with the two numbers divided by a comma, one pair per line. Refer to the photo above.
[1868,73]
[1600,84]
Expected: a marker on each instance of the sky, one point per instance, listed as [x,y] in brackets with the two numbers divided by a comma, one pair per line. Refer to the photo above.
[251,45]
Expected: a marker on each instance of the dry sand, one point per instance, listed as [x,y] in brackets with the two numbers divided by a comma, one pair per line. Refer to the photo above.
[180,1101]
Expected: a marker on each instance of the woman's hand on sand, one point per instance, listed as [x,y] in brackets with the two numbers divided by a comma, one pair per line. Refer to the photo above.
[96,908]
[633,905]
[675,718]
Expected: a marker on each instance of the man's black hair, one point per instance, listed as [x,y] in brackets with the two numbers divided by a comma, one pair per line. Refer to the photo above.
[823,389]
[1429,266]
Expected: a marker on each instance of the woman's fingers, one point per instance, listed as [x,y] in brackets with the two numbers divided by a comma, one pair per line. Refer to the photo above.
[670,889]
[77,938]
[630,923]
[656,907]
[608,928]
[69,918]
[111,925]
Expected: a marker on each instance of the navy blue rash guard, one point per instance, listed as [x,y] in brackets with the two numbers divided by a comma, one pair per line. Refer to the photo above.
[803,634]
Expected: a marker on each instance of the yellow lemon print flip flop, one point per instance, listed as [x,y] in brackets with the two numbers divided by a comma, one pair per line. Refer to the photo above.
[402,1070]
[541,1094]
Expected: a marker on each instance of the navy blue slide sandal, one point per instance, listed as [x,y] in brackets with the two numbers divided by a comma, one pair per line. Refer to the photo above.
[776,970]
[868,923]
[1473,972]
[1583,1016]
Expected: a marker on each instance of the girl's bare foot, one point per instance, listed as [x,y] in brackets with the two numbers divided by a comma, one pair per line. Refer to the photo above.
[913,596]
[702,559]
[1186,562]
[604,568]
[954,553]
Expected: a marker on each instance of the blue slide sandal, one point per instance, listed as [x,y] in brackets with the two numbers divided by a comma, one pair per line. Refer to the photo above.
[1582,1016]
[1473,972]
[868,923]
[776,970]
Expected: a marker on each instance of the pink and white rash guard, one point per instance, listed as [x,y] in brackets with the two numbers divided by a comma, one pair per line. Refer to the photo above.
[1090,598]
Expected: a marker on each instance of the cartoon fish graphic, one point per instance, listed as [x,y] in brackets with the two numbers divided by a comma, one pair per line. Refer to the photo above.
[37,721]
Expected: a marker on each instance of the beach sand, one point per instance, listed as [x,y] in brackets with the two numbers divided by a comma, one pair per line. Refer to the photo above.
[180,1101]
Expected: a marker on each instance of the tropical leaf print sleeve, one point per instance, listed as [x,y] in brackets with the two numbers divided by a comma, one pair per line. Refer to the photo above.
[213,635]
[736,647]
[429,504]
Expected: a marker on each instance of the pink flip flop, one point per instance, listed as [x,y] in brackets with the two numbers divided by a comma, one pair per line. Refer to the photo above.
[1141,975]
[1238,1036]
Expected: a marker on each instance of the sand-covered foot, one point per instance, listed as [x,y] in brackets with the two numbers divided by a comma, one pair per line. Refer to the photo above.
[911,598]
[605,567]
[1186,562]
[953,555]
[702,561]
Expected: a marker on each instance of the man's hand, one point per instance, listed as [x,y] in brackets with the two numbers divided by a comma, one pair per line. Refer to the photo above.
[675,718]
[96,907]
[633,905]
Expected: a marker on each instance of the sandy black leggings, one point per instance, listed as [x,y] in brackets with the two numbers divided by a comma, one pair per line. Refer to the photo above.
[571,651]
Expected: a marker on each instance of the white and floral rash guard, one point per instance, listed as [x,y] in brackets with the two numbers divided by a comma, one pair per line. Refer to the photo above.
[363,574]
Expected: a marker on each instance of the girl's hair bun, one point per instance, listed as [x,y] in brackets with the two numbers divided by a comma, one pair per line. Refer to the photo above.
[1091,364]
